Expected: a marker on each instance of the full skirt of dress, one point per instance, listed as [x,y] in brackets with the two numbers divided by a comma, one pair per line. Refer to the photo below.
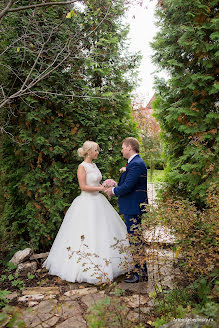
[83,248]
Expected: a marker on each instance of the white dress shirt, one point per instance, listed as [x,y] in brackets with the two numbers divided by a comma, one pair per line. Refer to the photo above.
[130,158]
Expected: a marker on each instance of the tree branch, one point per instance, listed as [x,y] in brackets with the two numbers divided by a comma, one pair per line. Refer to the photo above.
[46,4]
[38,56]
[7,8]
[68,95]
[46,72]
[27,85]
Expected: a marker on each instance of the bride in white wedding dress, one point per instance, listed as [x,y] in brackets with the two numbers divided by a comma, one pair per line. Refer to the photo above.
[82,250]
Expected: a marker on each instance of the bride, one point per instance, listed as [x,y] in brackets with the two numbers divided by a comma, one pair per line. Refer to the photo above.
[82,250]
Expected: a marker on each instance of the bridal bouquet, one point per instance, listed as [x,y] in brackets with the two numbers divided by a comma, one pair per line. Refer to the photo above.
[109,183]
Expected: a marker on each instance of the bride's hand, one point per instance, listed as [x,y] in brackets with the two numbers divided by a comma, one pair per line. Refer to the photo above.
[105,189]
[123,169]
[101,188]
[109,192]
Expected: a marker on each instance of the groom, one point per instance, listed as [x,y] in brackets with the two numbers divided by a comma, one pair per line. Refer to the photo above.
[132,197]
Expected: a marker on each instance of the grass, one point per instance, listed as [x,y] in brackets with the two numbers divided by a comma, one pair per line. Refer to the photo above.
[157,176]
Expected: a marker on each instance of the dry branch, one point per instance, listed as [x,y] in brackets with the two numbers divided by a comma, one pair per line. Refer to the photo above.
[8,8]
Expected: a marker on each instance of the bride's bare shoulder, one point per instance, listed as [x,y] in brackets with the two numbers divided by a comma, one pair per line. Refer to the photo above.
[81,165]
[81,170]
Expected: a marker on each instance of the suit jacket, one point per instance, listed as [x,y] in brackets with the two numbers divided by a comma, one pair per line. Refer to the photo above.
[132,187]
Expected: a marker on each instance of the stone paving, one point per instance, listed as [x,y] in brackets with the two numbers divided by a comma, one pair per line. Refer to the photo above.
[68,310]
[57,307]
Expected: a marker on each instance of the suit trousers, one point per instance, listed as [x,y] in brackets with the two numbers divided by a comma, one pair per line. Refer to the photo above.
[133,224]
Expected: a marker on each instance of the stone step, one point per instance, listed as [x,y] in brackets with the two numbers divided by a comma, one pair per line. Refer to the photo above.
[159,234]
[41,290]
[39,256]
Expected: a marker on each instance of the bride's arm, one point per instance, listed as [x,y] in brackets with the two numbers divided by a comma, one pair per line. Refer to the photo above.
[82,181]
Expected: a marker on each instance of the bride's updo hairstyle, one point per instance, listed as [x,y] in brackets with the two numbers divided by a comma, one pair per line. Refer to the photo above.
[87,146]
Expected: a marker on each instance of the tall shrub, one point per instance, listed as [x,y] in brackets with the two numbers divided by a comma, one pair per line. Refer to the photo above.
[86,97]
[186,104]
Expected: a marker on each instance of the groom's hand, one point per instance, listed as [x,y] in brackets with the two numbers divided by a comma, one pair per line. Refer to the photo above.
[109,192]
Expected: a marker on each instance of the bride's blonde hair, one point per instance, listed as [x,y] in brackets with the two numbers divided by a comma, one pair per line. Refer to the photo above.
[87,146]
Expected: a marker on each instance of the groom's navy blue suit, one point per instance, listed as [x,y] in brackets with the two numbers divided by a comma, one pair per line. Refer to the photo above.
[132,194]
[132,189]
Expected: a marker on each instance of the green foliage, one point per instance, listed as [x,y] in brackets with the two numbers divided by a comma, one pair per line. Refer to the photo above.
[30,276]
[209,309]
[170,304]
[12,280]
[3,297]
[11,316]
[85,98]
[159,322]
[155,176]
[186,104]
[181,302]
[152,152]
[195,231]
[196,248]
[12,277]
[110,312]
[11,266]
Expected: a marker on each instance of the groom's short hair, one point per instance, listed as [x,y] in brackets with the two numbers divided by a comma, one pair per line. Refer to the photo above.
[133,142]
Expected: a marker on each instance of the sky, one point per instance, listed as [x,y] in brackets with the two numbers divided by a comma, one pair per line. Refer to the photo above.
[142,31]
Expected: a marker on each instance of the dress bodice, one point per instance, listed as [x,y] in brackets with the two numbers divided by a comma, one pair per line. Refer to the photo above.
[93,175]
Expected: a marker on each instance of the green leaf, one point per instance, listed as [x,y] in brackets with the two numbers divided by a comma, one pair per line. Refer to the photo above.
[10,277]
[214,35]
[70,14]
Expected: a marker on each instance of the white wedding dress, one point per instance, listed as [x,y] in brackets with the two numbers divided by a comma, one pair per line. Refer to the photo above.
[82,250]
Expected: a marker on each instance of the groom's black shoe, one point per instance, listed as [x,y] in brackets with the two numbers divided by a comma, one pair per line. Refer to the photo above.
[136,278]
[132,278]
